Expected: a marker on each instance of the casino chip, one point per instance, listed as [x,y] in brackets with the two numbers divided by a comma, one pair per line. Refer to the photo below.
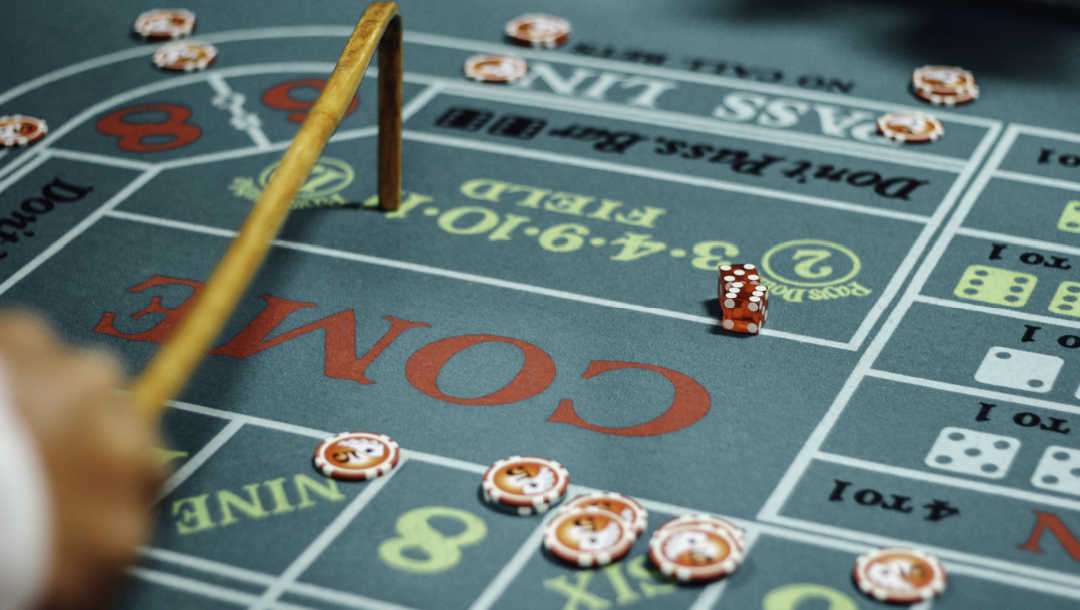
[736,532]
[632,513]
[910,127]
[944,85]
[536,30]
[695,549]
[20,130]
[357,456]
[588,536]
[165,24]
[495,68]
[185,56]
[525,485]
[899,576]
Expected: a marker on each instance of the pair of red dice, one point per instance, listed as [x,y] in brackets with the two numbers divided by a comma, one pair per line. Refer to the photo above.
[744,300]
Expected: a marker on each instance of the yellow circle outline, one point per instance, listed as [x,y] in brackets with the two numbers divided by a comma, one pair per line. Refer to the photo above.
[338,164]
[855,267]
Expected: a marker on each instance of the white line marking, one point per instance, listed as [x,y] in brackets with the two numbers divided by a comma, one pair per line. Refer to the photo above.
[684,122]
[699,124]
[24,169]
[513,567]
[632,170]
[685,76]
[921,242]
[350,600]
[412,454]
[956,565]
[172,83]
[1037,180]
[17,162]
[1016,570]
[712,593]
[251,420]
[339,32]
[207,565]
[446,462]
[467,277]
[86,157]
[237,153]
[147,50]
[208,450]
[303,561]
[436,40]
[78,229]
[948,481]
[997,311]
[775,503]
[799,534]
[417,103]
[225,155]
[1044,132]
[232,102]
[976,392]
[1019,241]
[192,586]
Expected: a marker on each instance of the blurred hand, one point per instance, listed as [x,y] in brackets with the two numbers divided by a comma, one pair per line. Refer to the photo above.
[97,453]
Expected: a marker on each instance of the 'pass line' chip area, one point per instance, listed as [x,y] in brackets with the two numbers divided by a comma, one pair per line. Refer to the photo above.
[773,337]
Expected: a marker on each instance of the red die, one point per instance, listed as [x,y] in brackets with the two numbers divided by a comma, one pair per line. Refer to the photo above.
[737,272]
[744,307]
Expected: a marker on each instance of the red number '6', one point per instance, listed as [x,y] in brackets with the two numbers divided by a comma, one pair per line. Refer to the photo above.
[280,97]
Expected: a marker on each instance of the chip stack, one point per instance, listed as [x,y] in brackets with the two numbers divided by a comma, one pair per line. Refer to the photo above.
[744,301]
[525,485]
[910,127]
[697,548]
[538,31]
[20,130]
[944,85]
[501,69]
[899,576]
[357,456]
[595,529]
[165,24]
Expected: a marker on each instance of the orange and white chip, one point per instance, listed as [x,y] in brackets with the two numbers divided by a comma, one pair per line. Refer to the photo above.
[695,551]
[538,30]
[736,532]
[588,536]
[899,576]
[357,456]
[165,24]
[526,485]
[944,85]
[495,68]
[910,127]
[185,56]
[943,80]
[632,512]
[21,130]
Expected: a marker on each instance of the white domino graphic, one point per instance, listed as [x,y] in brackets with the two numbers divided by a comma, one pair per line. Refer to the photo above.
[1019,370]
[1058,470]
[971,452]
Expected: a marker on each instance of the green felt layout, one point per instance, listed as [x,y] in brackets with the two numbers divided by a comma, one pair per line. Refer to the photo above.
[548,288]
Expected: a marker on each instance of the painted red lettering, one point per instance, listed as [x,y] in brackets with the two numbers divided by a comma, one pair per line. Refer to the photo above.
[1050,522]
[690,403]
[340,360]
[172,315]
[536,374]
